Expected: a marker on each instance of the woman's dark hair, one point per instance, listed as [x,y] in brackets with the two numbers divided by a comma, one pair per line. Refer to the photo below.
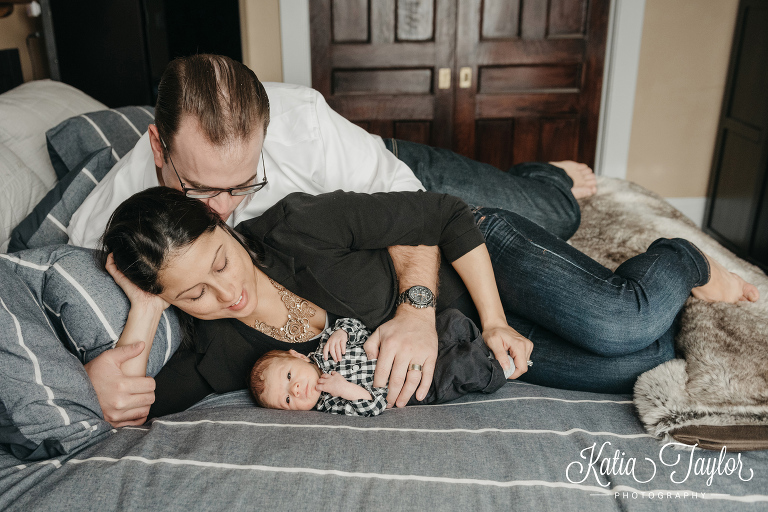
[150,226]
[222,94]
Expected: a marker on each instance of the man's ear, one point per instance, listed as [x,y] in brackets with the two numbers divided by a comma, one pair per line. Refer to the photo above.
[157,146]
[299,356]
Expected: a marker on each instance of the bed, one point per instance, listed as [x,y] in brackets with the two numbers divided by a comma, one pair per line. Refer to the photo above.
[525,446]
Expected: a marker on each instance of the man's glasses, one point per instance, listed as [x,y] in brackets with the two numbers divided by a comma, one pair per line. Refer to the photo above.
[207,193]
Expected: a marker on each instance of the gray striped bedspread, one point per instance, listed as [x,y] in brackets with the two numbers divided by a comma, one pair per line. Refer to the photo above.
[524,447]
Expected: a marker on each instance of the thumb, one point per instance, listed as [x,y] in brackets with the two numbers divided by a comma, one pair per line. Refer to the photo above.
[501,356]
[126,352]
[371,345]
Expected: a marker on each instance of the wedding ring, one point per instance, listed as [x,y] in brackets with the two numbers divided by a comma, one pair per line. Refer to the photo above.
[416,367]
[530,363]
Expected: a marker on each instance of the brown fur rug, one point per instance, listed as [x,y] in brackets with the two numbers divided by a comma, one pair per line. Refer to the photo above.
[723,378]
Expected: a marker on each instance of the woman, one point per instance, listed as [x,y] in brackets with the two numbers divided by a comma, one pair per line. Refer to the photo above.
[309,259]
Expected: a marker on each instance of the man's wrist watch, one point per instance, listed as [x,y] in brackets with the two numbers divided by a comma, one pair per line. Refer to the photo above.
[417,296]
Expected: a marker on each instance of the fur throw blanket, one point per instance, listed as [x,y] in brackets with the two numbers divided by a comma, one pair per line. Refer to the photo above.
[723,378]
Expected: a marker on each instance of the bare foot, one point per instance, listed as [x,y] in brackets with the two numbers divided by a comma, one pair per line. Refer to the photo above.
[584,180]
[724,286]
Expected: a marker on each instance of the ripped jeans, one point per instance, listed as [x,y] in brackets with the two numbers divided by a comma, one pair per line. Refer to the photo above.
[592,329]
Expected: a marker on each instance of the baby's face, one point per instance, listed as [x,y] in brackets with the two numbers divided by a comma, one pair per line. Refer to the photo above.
[291,383]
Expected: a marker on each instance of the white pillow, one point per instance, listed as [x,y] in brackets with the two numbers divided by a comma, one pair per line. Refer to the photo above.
[26,173]
[20,191]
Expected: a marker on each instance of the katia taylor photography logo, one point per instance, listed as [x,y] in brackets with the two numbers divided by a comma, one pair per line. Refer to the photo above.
[605,461]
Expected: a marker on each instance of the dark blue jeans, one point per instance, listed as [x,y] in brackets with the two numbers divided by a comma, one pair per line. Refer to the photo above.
[538,191]
[592,329]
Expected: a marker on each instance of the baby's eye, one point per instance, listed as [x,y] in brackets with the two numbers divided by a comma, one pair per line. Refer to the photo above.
[289,375]
[288,400]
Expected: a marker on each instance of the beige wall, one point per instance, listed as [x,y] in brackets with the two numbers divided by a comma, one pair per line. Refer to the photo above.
[681,77]
[13,34]
[260,29]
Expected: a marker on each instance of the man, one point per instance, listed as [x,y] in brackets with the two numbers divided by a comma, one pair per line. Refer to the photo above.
[223,137]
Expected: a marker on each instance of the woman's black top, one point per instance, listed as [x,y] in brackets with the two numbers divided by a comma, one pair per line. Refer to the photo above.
[330,249]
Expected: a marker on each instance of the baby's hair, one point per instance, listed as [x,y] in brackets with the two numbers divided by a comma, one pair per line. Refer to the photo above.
[256,379]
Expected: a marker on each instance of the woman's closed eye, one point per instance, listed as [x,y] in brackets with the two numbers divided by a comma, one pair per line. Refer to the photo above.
[226,263]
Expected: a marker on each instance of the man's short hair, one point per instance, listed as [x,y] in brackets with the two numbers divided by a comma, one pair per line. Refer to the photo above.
[222,94]
[256,381]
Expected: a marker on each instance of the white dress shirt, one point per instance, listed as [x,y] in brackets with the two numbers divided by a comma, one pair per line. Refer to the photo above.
[308,148]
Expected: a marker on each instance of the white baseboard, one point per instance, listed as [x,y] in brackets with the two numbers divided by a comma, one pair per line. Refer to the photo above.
[692,207]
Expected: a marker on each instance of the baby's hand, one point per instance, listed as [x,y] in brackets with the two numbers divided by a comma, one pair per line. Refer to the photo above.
[336,345]
[333,383]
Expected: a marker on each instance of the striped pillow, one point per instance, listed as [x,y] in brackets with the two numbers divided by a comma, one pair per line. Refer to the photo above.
[56,302]
[73,140]
[47,224]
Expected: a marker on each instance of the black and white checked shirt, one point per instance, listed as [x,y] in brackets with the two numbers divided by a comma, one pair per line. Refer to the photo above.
[355,367]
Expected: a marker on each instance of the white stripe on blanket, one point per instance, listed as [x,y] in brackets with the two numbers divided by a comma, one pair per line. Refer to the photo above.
[527,398]
[36,366]
[420,478]
[24,263]
[167,338]
[419,430]
[88,299]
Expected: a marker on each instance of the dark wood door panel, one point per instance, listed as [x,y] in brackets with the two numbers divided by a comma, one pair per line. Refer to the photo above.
[379,108]
[506,142]
[531,58]
[382,81]
[536,72]
[527,105]
[415,131]
[509,19]
[527,78]
[376,63]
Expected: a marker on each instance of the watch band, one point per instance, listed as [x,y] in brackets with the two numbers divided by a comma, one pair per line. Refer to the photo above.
[417,296]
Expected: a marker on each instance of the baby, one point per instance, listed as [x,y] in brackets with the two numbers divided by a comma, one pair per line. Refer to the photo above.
[343,384]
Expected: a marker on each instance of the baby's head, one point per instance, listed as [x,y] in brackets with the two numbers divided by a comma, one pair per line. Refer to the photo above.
[285,380]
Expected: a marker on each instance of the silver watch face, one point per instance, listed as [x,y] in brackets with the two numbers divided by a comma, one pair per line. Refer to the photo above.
[420,296]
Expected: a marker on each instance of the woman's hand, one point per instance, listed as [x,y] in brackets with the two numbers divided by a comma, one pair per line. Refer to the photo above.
[503,340]
[336,345]
[138,297]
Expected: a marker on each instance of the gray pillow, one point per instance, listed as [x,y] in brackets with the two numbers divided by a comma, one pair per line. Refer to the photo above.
[47,224]
[74,139]
[58,310]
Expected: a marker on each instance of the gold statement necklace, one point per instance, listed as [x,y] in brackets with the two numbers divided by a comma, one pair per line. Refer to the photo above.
[296,329]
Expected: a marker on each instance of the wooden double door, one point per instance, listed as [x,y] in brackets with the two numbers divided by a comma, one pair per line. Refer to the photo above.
[500,81]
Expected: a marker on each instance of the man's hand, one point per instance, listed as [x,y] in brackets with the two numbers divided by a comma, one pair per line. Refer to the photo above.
[124,400]
[336,345]
[503,340]
[409,338]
